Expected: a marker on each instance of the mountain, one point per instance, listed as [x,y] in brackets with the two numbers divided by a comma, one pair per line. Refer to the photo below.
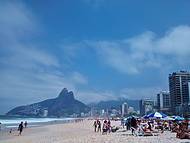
[116,104]
[64,105]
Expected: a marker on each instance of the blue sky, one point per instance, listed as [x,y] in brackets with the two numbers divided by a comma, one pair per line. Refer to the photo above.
[100,49]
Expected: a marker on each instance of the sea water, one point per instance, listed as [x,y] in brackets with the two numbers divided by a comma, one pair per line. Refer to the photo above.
[13,122]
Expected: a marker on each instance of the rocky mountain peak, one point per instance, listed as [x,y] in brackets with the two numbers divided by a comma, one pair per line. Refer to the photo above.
[66,94]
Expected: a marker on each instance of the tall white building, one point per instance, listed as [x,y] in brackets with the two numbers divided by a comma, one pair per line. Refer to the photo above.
[124,109]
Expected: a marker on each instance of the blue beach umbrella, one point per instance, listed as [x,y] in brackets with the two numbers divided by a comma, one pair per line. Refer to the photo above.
[157,115]
[145,117]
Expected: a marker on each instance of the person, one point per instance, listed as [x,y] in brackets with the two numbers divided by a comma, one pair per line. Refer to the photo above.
[10,131]
[147,131]
[149,126]
[122,122]
[20,128]
[109,126]
[133,124]
[183,131]
[99,125]
[95,125]
[105,127]
[128,123]
[25,124]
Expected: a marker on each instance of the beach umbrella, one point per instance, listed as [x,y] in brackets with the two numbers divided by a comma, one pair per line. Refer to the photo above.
[145,117]
[156,115]
[167,118]
[178,118]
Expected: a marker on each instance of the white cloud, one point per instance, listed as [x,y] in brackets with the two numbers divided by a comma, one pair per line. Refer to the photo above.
[176,42]
[76,77]
[146,51]
[91,96]
[140,93]
[134,93]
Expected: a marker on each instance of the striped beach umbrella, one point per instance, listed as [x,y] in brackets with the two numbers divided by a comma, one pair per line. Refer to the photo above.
[156,115]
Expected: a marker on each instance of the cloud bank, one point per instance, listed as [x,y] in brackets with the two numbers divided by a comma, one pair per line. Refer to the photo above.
[146,51]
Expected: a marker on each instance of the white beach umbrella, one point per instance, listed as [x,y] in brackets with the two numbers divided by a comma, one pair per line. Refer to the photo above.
[167,118]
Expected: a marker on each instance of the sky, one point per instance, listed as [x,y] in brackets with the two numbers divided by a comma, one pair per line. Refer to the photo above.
[99,49]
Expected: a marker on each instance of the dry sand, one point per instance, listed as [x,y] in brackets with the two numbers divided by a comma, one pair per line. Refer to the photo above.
[82,132]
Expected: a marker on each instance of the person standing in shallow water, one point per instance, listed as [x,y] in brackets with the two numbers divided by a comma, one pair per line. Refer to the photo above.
[25,124]
[20,128]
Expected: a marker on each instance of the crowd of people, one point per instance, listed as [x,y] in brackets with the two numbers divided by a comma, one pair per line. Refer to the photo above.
[182,130]
[149,127]
[105,128]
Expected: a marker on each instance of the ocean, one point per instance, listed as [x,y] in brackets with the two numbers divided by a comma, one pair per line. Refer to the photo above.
[13,122]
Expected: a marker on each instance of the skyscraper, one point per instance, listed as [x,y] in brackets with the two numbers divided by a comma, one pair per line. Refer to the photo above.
[146,106]
[163,101]
[179,92]
[124,109]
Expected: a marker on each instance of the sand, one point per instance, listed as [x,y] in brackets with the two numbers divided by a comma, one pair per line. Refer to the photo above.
[82,132]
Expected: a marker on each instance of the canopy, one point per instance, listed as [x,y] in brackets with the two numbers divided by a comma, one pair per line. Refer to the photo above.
[156,115]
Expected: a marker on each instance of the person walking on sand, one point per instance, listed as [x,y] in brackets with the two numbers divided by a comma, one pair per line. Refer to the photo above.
[109,126]
[133,124]
[95,125]
[20,128]
[105,127]
[99,125]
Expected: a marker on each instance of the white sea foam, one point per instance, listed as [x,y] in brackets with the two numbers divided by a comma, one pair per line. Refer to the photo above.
[13,122]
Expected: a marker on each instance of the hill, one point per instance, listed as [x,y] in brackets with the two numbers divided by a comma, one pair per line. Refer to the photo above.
[64,105]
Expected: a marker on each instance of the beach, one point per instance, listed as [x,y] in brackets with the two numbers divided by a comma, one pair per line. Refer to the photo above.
[83,132]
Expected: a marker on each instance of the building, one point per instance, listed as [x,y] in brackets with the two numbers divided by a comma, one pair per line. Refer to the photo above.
[124,109]
[146,106]
[179,92]
[163,102]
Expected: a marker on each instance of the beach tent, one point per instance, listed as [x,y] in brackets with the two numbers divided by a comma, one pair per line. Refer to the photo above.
[167,118]
[156,115]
